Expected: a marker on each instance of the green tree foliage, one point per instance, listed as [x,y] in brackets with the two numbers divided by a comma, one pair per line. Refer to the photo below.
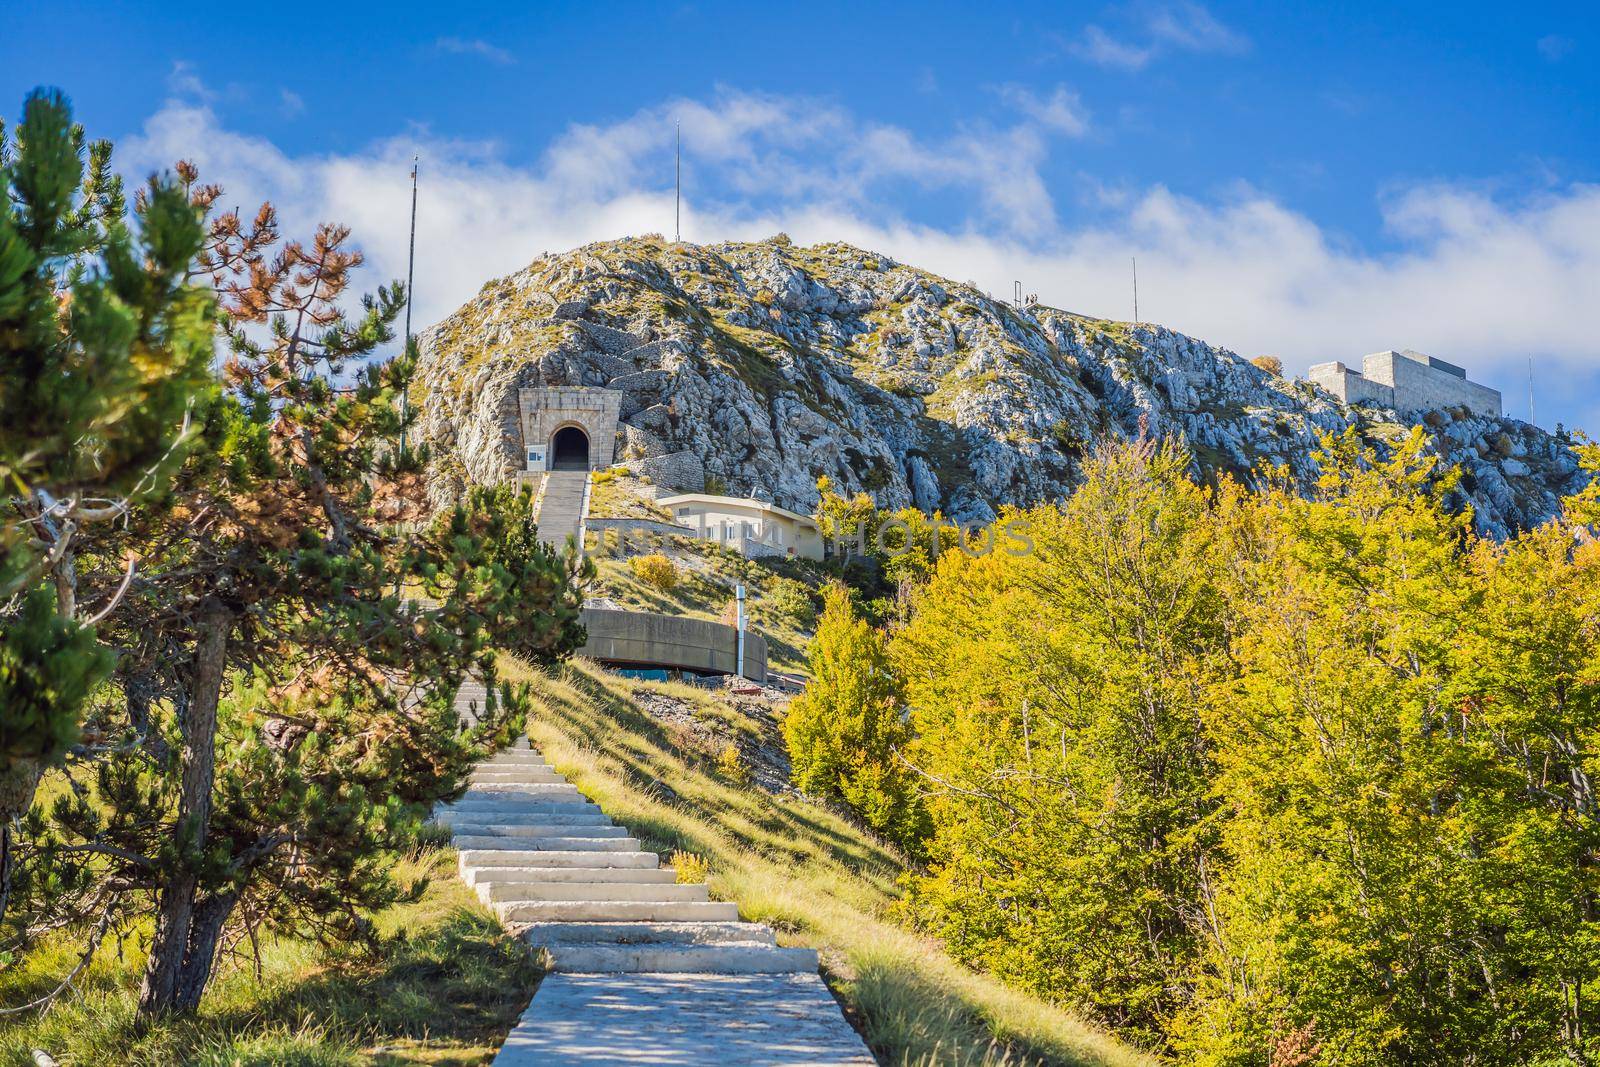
[846,733]
[1264,779]
[1585,507]
[104,348]
[279,719]
[1058,702]
[898,548]
[1406,755]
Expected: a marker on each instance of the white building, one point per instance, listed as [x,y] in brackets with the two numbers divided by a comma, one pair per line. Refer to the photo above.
[749,527]
[1406,381]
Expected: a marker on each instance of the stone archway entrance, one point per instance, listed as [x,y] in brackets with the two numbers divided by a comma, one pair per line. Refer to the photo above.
[569,450]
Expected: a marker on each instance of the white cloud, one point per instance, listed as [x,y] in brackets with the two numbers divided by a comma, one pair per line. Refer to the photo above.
[1554,47]
[1062,111]
[1158,29]
[1192,28]
[291,103]
[473,47]
[1102,49]
[1476,280]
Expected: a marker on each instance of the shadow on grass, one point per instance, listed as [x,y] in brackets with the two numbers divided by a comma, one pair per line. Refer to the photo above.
[445,994]
[463,978]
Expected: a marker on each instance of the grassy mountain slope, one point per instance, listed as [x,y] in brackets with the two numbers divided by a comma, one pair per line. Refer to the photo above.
[818,878]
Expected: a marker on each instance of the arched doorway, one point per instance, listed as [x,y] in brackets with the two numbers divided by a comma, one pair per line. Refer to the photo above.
[569,450]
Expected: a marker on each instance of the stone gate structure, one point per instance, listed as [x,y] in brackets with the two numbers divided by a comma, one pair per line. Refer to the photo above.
[569,427]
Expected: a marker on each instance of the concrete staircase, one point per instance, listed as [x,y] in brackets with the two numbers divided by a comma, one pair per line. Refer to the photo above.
[645,969]
[539,853]
[561,506]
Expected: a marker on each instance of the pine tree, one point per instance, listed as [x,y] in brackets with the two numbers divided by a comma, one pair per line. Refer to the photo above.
[104,351]
[280,718]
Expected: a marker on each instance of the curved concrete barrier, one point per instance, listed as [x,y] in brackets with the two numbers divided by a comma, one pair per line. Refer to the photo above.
[645,639]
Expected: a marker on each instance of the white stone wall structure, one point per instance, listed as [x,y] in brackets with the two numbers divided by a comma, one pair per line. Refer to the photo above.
[1406,381]
[551,408]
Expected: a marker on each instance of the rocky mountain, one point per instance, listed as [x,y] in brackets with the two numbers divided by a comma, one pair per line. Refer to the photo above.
[769,365]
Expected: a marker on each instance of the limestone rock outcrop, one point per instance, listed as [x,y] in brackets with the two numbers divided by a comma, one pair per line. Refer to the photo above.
[771,365]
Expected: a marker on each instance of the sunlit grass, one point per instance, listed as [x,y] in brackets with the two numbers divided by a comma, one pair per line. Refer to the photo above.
[443,987]
[818,878]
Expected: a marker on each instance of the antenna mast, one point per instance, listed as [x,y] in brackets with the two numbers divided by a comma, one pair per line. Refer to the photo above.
[677,187]
[411,268]
[1530,391]
[1136,289]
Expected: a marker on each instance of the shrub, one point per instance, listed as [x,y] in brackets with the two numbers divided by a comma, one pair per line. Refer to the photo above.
[1270,364]
[731,765]
[692,869]
[656,571]
[765,297]
[791,601]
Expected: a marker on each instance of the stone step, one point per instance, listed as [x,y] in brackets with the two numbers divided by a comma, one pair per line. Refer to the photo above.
[662,933]
[518,818]
[484,859]
[516,757]
[538,790]
[494,892]
[640,875]
[476,798]
[731,958]
[600,911]
[540,775]
[540,829]
[527,813]
[515,777]
[553,844]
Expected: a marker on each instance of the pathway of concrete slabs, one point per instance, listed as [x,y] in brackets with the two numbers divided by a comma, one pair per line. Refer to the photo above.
[561,506]
[643,969]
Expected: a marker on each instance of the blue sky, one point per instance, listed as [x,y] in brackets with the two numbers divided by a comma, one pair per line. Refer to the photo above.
[1316,184]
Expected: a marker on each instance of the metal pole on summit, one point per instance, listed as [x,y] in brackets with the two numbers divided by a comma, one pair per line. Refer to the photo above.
[411,265]
[677,186]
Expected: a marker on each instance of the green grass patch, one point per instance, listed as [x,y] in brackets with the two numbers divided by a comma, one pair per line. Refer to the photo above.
[443,987]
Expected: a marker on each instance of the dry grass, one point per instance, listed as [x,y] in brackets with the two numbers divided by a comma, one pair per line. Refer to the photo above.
[443,987]
[816,877]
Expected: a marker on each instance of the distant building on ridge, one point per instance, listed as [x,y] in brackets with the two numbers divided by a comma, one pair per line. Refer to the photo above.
[1406,381]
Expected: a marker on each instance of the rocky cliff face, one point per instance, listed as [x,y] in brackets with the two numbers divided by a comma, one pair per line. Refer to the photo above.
[770,365]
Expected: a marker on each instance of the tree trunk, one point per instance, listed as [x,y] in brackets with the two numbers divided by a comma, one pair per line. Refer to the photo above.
[176,916]
[17,784]
[205,931]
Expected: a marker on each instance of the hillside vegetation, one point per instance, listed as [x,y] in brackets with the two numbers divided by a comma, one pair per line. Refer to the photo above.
[1248,778]
[816,876]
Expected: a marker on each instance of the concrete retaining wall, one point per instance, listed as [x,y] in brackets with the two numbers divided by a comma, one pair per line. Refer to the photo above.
[676,470]
[644,639]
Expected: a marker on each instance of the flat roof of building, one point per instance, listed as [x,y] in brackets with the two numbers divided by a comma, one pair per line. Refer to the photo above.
[749,503]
